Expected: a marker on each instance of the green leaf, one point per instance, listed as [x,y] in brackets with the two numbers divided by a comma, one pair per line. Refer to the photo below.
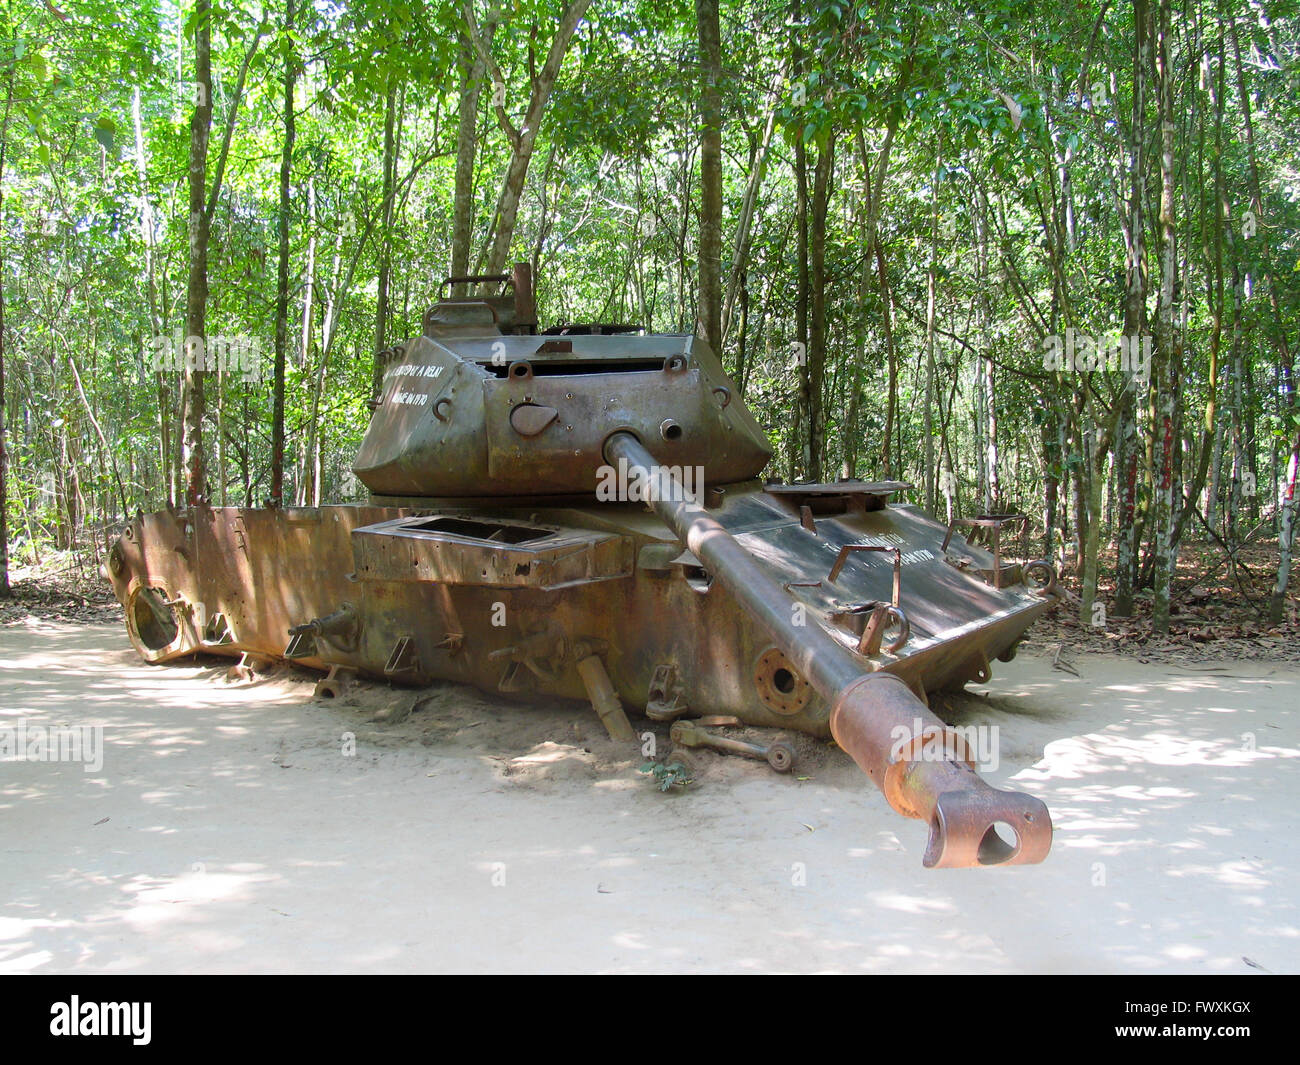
[105,132]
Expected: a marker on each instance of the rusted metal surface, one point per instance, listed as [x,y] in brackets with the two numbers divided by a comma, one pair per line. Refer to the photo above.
[492,554]
[993,523]
[779,754]
[477,443]
[964,813]
[602,695]
[924,770]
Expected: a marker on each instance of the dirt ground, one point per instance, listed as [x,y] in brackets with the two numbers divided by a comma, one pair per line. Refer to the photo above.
[229,830]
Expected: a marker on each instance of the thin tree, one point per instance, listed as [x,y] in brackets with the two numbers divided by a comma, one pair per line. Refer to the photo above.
[201,210]
[710,264]
[282,270]
[4,462]
[522,138]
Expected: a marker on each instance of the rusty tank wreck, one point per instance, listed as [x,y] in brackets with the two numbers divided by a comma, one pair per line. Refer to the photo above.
[579,512]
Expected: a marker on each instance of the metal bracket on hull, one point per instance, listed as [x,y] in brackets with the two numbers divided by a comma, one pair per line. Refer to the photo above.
[403,658]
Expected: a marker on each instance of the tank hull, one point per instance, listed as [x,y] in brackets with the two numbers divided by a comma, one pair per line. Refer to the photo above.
[504,598]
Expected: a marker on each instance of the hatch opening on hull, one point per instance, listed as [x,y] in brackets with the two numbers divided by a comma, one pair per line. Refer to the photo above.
[497,532]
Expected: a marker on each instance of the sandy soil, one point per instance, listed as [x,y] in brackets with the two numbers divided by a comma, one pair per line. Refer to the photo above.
[227,831]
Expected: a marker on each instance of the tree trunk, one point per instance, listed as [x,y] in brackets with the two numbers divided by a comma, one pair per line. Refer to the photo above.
[163,394]
[4,459]
[523,139]
[800,458]
[309,279]
[201,210]
[927,396]
[1135,301]
[196,301]
[1051,484]
[308,482]
[1164,412]
[389,166]
[891,358]
[282,269]
[1286,366]
[822,174]
[709,314]
[744,225]
[462,225]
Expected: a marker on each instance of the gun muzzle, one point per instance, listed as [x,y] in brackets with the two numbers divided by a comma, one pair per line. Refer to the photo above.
[929,774]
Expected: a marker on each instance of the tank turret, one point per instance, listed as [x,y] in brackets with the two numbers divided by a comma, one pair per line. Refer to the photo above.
[482,405]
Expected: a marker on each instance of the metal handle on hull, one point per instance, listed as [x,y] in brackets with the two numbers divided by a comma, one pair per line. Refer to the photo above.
[923,771]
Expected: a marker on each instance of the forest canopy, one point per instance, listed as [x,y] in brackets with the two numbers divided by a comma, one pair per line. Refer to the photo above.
[1033,258]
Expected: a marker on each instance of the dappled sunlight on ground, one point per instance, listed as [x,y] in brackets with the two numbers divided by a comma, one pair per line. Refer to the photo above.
[226,831]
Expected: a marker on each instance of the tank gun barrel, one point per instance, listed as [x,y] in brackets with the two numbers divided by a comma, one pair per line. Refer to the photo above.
[930,774]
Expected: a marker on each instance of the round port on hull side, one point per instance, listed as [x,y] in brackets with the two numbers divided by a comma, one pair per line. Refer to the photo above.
[155,622]
[779,685]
